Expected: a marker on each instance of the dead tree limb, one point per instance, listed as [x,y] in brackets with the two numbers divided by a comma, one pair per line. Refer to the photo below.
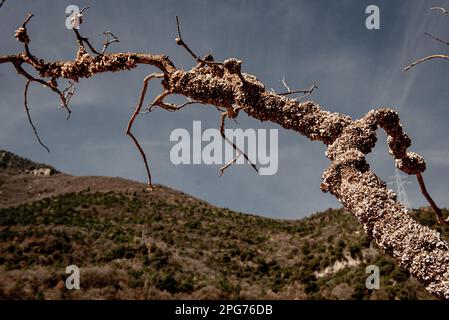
[27,109]
[443,10]
[416,248]
[432,203]
[304,92]
[433,56]
[419,177]
[437,39]
[133,118]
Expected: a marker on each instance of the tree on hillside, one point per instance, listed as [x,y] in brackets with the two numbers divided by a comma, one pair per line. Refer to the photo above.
[223,85]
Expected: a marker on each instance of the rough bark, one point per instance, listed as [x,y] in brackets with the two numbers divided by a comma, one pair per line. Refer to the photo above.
[416,248]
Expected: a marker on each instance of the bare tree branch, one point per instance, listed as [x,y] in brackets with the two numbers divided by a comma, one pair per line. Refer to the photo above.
[83,40]
[418,175]
[133,118]
[27,109]
[232,113]
[50,84]
[435,208]
[443,10]
[433,56]
[108,41]
[78,20]
[305,92]
[436,38]
[419,249]
[181,42]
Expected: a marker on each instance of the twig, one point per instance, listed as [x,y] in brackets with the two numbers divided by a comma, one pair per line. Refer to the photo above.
[434,56]
[54,88]
[133,118]
[27,19]
[1,3]
[187,103]
[169,106]
[180,42]
[443,10]
[285,84]
[22,36]
[84,8]
[108,41]
[435,208]
[306,92]
[69,92]
[159,101]
[27,109]
[436,38]
[232,114]
[83,40]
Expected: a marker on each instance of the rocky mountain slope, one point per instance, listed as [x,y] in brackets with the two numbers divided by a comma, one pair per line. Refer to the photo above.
[133,244]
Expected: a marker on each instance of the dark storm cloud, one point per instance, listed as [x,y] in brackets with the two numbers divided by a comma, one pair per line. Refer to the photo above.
[326,41]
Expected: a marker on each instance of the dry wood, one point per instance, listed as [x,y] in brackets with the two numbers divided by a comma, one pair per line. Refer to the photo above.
[419,249]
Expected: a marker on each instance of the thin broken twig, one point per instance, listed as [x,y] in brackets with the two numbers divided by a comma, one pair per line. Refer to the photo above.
[27,109]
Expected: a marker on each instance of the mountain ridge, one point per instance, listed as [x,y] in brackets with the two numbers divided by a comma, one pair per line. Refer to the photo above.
[133,244]
[9,160]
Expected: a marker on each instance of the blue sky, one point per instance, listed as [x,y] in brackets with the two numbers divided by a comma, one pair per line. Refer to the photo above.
[304,41]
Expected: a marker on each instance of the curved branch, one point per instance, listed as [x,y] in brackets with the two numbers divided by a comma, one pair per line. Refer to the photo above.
[133,118]
[432,203]
[27,109]
[443,10]
[433,56]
